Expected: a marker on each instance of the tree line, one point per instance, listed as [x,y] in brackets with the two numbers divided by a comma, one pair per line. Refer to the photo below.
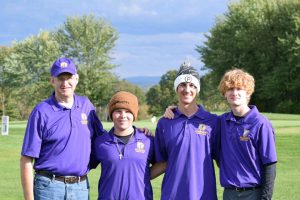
[260,36]
[25,65]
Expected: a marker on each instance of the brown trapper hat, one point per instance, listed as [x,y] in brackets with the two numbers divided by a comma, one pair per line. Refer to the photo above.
[124,100]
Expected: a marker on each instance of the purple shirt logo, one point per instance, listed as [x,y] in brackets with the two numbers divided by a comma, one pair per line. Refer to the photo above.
[245,136]
[202,129]
[140,147]
[84,118]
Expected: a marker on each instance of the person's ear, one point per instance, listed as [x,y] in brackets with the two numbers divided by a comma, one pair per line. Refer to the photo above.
[77,77]
[51,80]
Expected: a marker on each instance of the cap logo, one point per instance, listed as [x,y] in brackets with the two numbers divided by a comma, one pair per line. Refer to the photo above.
[188,79]
[121,102]
[63,64]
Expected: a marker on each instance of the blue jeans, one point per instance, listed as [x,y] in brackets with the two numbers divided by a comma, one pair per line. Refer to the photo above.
[48,189]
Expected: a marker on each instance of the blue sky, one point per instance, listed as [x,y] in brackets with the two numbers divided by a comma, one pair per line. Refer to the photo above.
[155,35]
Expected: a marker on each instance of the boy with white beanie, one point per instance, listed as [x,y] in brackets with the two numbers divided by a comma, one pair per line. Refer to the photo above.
[187,143]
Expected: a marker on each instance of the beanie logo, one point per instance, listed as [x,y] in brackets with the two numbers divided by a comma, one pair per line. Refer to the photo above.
[140,147]
[188,79]
[121,102]
[63,64]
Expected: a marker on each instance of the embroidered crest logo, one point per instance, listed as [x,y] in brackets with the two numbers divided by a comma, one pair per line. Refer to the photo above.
[202,129]
[63,64]
[140,147]
[84,118]
[245,136]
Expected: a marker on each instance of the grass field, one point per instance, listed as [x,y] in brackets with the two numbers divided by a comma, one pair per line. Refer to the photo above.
[287,185]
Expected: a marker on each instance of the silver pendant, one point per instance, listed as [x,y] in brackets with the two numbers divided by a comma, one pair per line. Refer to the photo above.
[120,156]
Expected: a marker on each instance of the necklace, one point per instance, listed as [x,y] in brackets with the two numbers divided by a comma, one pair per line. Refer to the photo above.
[121,152]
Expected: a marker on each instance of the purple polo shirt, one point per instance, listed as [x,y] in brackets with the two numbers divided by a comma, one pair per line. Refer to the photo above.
[188,144]
[246,145]
[59,139]
[126,178]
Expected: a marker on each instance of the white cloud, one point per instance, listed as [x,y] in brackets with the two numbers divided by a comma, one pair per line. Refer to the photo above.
[134,10]
[154,55]
[155,36]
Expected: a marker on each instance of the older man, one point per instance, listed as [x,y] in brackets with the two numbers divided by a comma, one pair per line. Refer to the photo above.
[58,140]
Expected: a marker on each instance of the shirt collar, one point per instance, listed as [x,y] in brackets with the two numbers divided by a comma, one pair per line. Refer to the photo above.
[248,118]
[201,113]
[57,107]
[137,135]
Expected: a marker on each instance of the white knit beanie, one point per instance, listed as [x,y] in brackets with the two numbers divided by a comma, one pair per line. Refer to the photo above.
[187,74]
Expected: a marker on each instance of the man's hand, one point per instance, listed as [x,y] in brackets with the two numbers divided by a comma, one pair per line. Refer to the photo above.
[146,131]
[169,114]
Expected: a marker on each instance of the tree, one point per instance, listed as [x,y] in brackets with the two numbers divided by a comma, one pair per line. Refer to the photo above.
[154,100]
[210,97]
[89,42]
[25,72]
[262,37]
[160,96]
[123,85]
[129,87]
[4,77]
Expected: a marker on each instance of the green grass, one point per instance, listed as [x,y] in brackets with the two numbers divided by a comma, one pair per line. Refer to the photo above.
[287,128]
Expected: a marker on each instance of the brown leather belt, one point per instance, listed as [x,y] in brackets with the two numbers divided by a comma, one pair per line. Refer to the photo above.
[65,179]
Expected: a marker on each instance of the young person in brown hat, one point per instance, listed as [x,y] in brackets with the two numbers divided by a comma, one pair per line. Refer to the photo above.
[125,153]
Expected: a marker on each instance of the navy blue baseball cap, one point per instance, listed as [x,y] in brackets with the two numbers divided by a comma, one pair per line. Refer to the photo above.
[63,65]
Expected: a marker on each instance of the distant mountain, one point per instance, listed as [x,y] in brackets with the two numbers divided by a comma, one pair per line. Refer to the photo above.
[145,82]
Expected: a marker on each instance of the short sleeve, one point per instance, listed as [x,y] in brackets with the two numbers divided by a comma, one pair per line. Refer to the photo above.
[33,135]
[267,148]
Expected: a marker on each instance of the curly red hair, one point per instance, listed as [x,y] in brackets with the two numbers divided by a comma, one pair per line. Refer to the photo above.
[237,78]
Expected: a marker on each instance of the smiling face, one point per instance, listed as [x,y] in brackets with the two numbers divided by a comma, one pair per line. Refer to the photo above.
[122,119]
[64,85]
[237,86]
[237,97]
[186,93]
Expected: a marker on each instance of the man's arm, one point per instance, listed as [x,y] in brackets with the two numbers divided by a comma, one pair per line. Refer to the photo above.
[268,156]
[157,169]
[268,178]
[26,168]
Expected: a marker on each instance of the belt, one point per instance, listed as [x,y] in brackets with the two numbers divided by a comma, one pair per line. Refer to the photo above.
[65,179]
[238,189]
